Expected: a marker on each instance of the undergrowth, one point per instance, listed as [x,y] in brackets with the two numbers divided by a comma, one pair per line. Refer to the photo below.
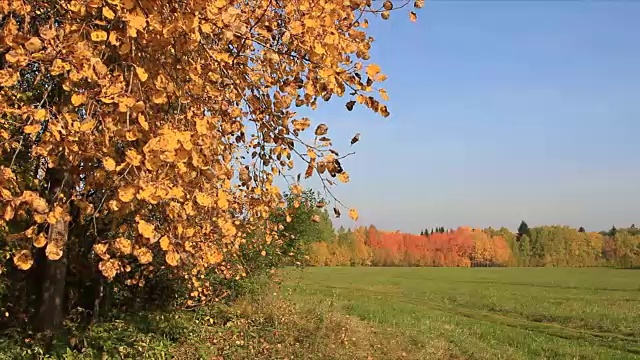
[262,324]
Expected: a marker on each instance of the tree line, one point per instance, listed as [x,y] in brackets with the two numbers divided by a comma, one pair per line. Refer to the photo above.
[550,245]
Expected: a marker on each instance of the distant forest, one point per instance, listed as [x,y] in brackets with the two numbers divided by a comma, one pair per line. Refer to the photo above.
[465,247]
[538,246]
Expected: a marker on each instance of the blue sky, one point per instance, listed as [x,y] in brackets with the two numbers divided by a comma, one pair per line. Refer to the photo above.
[500,111]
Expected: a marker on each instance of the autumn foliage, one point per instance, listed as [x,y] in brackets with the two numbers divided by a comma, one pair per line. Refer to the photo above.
[143,136]
[464,247]
[370,246]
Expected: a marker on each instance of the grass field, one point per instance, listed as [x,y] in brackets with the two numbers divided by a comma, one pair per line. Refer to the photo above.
[485,313]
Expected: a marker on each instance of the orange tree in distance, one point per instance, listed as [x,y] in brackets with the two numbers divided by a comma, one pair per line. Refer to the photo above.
[145,135]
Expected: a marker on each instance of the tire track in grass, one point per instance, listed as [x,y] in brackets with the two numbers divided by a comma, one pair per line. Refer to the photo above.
[611,341]
[547,286]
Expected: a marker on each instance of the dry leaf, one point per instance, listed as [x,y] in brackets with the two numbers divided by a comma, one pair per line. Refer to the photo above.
[98,35]
[34,44]
[142,75]
[23,259]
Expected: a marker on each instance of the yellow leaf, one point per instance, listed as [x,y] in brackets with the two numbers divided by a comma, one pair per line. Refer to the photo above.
[380,77]
[143,254]
[109,164]
[133,158]
[137,22]
[39,218]
[9,77]
[172,258]
[9,211]
[383,94]
[101,250]
[16,57]
[344,177]
[143,122]
[176,192]
[99,35]
[123,246]
[159,97]
[58,213]
[164,243]
[40,240]
[53,251]
[321,130]
[413,17]
[202,126]
[108,13]
[146,229]
[34,44]
[110,268]
[23,259]
[372,70]
[87,125]
[301,124]
[78,99]
[32,129]
[223,202]
[142,75]
[353,214]
[36,203]
[311,153]
[40,114]
[59,66]
[132,135]
[203,199]
[126,194]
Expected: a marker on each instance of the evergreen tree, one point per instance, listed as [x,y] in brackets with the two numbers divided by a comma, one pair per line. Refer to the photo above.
[421,232]
[613,231]
[523,229]
[581,229]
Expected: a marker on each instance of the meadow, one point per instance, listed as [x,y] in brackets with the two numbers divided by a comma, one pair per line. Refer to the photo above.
[483,313]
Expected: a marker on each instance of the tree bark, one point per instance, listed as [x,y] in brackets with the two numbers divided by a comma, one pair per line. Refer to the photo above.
[51,310]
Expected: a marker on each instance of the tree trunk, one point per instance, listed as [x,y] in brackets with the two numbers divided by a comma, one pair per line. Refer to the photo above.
[51,310]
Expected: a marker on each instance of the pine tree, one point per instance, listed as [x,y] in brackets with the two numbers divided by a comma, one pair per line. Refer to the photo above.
[581,229]
[523,229]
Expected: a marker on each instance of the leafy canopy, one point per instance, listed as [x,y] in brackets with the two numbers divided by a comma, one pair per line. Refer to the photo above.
[167,121]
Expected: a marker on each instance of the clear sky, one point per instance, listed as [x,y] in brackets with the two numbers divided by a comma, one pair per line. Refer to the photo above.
[500,111]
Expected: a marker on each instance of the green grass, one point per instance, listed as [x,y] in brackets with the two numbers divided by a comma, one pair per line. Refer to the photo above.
[490,313]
